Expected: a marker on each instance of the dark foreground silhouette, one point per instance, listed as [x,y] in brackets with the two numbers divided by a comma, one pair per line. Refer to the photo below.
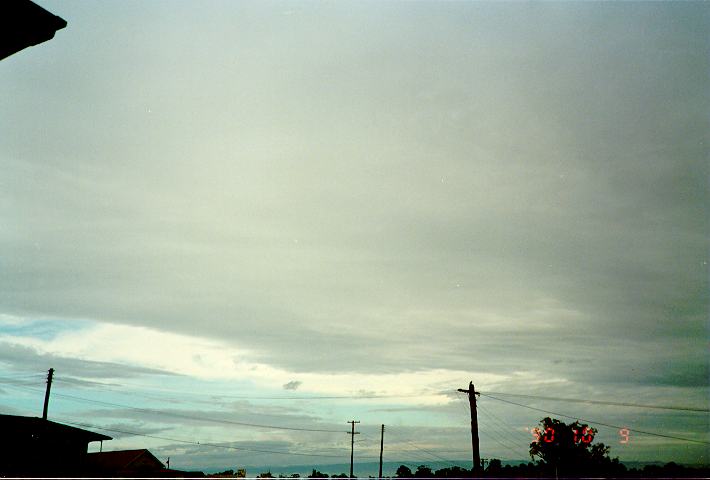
[495,469]
[37,447]
[40,448]
[24,24]
[540,470]
[560,451]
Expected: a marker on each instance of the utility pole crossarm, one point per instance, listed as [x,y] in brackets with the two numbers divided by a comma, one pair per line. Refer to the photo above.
[469,390]
[352,434]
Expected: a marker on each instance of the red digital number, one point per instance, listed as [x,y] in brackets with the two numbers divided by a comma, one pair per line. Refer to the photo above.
[549,436]
[624,434]
[576,435]
[536,434]
[587,435]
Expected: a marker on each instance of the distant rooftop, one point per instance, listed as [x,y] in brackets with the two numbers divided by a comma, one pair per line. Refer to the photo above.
[123,459]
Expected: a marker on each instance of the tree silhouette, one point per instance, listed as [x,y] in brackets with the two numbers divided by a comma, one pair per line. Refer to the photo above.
[423,471]
[568,449]
[316,474]
[404,471]
[452,472]
[495,466]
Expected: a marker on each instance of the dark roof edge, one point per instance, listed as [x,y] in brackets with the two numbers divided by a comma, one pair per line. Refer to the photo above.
[37,421]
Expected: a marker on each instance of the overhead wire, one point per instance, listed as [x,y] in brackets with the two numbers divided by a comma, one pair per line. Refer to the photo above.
[505,426]
[464,403]
[121,391]
[416,395]
[188,417]
[510,445]
[504,445]
[383,396]
[433,455]
[411,457]
[195,417]
[21,375]
[598,423]
[194,442]
[19,382]
[430,453]
[602,402]
[365,438]
[223,421]
[265,397]
[493,434]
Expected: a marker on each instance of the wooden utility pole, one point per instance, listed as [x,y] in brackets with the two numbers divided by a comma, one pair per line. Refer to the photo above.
[50,374]
[382,444]
[474,427]
[352,443]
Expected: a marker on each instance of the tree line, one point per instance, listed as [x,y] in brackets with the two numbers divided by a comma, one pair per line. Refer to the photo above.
[560,450]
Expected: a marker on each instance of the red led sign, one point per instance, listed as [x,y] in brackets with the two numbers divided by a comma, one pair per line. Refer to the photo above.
[586,435]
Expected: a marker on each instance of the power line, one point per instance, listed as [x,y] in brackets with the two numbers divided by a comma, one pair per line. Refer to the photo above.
[499,423]
[415,447]
[159,395]
[263,397]
[27,385]
[500,440]
[465,405]
[195,417]
[598,423]
[22,375]
[16,381]
[601,402]
[505,446]
[384,396]
[503,428]
[410,457]
[506,426]
[378,396]
[188,417]
[495,432]
[447,461]
[259,450]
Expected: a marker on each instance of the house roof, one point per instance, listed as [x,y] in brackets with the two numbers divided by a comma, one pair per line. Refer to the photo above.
[36,424]
[123,459]
[25,24]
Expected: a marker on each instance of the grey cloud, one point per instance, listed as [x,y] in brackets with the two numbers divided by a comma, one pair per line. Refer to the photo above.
[7,410]
[13,356]
[292,385]
[691,374]
[239,412]
[121,430]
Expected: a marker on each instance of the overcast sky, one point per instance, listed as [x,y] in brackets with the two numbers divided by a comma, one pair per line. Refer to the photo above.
[213,202]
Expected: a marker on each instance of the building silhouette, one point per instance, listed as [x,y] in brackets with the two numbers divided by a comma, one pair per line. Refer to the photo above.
[32,446]
[40,448]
